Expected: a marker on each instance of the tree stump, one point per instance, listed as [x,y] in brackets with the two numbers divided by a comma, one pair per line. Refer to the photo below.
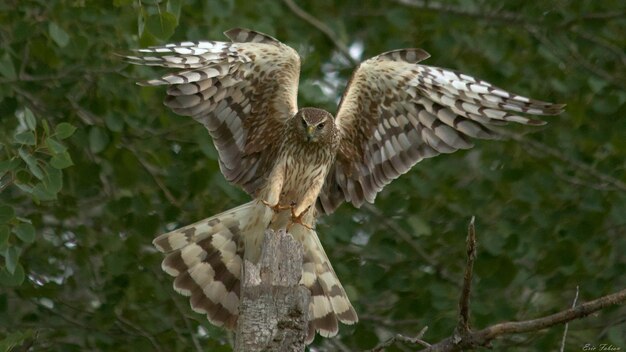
[273,311]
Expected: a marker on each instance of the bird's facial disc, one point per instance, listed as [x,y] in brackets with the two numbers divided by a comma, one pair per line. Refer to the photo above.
[312,129]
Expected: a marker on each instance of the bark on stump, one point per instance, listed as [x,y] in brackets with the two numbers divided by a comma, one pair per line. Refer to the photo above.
[273,311]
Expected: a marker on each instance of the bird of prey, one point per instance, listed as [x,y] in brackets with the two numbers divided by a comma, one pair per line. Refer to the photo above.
[300,163]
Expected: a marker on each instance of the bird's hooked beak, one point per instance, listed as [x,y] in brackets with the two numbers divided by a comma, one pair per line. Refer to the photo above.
[310,133]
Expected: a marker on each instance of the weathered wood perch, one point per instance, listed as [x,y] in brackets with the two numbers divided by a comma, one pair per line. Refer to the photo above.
[273,311]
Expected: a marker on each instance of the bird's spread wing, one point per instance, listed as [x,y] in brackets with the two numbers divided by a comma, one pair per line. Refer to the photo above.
[243,92]
[396,112]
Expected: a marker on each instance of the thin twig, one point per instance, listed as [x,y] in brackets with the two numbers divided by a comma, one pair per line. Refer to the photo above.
[322,27]
[596,16]
[582,183]
[387,321]
[602,42]
[150,169]
[462,328]
[566,159]
[408,238]
[572,57]
[338,345]
[485,336]
[417,340]
[496,16]
[68,319]
[194,338]
[120,318]
[567,324]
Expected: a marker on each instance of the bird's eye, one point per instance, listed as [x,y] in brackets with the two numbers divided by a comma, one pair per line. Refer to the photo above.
[320,126]
[303,123]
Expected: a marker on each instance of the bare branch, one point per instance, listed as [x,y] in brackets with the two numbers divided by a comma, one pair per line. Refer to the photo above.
[543,148]
[485,336]
[604,16]
[417,340]
[601,42]
[573,58]
[465,338]
[322,27]
[153,172]
[567,324]
[387,321]
[497,16]
[504,17]
[463,328]
[139,330]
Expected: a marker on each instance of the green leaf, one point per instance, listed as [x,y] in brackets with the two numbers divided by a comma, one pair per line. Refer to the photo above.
[46,127]
[36,171]
[30,120]
[8,165]
[6,213]
[4,237]
[174,7]
[25,232]
[31,162]
[64,130]
[24,187]
[12,279]
[54,146]
[141,24]
[98,139]
[15,339]
[114,122]
[11,257]
[161,25]
[25,138]
[57,34]
[7,69]
[41,192]
[54,179]
[120,3]
[61,161]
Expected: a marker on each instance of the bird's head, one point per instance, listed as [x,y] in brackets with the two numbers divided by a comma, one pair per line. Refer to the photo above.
[314,124]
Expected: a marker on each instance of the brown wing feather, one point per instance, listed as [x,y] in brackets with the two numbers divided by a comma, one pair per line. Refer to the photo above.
[396,112]
[233,89]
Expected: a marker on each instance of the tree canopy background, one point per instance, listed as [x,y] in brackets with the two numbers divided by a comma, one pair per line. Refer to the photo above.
[93,167]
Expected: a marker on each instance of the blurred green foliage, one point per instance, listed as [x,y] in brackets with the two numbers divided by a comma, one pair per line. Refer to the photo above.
[92,167]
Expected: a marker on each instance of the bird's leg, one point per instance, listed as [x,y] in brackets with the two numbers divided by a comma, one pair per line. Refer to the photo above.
[297,218]
[276,207]
[271,195]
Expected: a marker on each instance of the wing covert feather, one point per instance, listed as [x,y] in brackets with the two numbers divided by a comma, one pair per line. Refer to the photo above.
[396,112]
[249,84]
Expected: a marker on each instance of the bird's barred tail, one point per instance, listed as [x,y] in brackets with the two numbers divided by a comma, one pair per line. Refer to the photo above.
[206,258]
[329,302]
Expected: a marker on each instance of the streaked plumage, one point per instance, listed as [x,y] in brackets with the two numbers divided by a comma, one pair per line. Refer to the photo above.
[298,164]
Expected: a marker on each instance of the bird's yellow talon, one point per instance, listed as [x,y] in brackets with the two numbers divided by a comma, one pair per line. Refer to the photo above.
[297,219]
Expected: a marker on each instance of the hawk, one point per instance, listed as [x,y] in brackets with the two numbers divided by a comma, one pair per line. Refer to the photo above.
[298,164]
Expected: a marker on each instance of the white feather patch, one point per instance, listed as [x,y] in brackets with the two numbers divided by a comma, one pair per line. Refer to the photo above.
[233,265]
[215,291]
[321,306]
[340,304]
[308,274]
[192,254]
[328,280]
[176,240]
[231,302]
[202,274]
